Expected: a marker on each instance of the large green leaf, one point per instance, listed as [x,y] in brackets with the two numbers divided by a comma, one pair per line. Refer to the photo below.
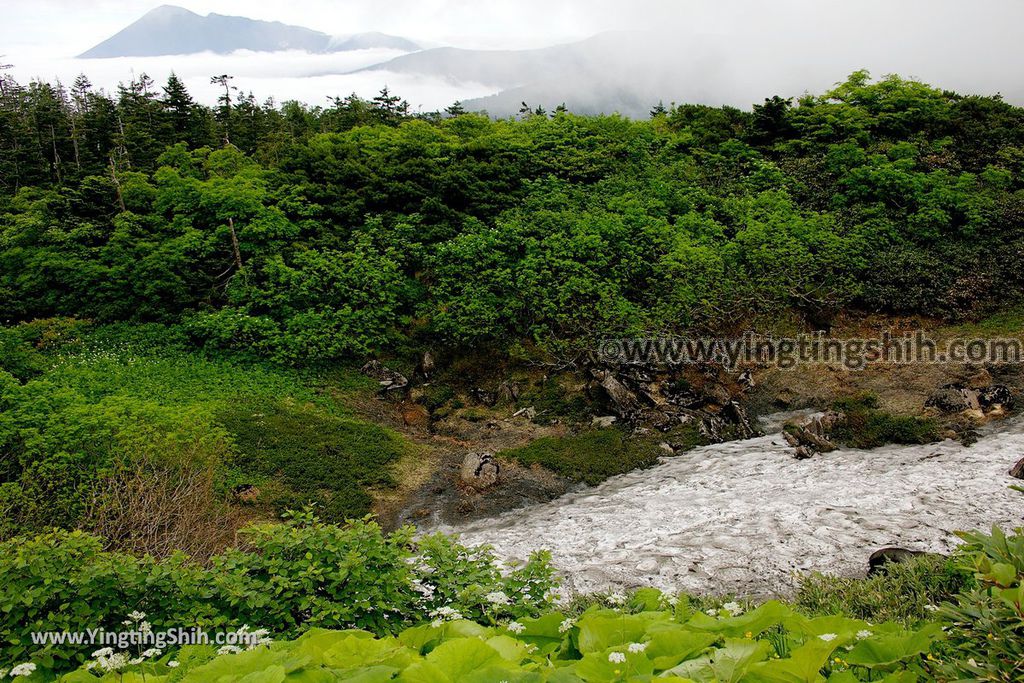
[670,644]
[884,650]
[727,664]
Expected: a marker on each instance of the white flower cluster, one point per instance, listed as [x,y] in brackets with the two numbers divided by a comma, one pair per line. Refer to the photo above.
[617,599]
[443,614]
[637,647]
[566,625]
[828,637]
[255,639]
[515,627]
[497,598]
[25,669]
[617,657]
[733,608]
[424,589]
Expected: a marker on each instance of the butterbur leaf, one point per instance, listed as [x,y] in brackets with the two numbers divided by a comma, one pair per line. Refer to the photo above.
[755,621]
[727,664]
[599,632]
[462,656]
[599,666]
[886,649]
[802,666]
[671,644]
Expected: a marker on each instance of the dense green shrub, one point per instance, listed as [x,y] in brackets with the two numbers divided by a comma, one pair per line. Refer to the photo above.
[334,232]
[285,578]
[986,633]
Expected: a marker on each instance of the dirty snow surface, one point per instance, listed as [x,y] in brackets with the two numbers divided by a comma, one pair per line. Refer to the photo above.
[745,516]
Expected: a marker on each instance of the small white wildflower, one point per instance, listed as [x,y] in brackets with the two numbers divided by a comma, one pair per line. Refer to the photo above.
[712,613]
[733,608]
[617,657]
[497,598]
[137,615]
[437,623]
[25,669]
[172,664]
[152,652]
[931,608]
[566,625]
[828,637]
[531,648]
[617,599]
[114,662]
[229,650]
[103,652]
[136,660]
[145,627]
[864,633]
[515,627]
[672,600]
[637,647]
[3,674]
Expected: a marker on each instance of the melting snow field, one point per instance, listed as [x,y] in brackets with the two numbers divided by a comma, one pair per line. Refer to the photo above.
[745,516]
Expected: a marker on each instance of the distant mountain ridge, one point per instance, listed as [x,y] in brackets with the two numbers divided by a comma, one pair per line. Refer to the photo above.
[171,30]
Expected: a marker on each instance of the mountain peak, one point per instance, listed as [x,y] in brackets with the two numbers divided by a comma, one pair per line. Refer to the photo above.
[173,30]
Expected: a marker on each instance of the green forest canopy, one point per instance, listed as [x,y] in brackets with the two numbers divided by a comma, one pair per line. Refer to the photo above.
[304,234]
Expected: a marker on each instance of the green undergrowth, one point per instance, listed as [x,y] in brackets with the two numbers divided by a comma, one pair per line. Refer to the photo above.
[866,426]
[81,405]
[590,456]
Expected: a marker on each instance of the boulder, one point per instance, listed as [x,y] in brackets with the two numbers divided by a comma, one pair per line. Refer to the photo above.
[479,470]
[427,365]
[623,401]
[389,380]
[1017,471]
[997,395]
[508,392]
[603,421]
[814,435]
[880,558]
[953,398]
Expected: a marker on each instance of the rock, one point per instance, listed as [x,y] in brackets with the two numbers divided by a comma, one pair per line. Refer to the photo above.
[479,470]
[880,558]
[247,493]
[736,414]
[529,412]
[603,422]
[667,447]
[623,401]
[953,398]
[427,364]
[803,452]
[508,392]
[997,395]
[710,429]
[389,380]
[814,435]
[483,396]
[716,394]
[1017,471]
[746,380]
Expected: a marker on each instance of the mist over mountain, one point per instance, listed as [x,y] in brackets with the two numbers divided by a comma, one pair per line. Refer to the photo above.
[170,30]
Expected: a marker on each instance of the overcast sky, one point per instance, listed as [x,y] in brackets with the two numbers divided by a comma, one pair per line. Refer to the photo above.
[970,45]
